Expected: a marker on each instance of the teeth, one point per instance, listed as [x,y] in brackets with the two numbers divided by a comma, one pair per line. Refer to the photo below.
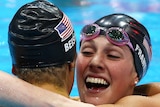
[96,80]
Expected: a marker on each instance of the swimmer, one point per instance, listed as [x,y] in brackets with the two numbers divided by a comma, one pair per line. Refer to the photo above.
[50,98]
[43,46]
[115,52]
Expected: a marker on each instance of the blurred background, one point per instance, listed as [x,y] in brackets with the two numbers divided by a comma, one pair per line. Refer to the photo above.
[82,12]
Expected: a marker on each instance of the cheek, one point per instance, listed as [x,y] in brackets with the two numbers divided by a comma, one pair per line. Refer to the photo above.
[123,69]
[81,63]
[123,76]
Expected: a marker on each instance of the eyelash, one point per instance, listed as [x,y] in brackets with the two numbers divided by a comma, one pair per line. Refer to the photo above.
[113,56]
[110,54]
[87,53]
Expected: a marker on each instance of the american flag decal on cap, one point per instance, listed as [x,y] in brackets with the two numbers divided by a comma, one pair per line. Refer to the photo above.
[64,28]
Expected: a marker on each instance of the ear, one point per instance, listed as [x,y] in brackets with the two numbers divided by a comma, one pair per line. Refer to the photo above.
[71,67]
[136,80]
[72,64]
[71,74]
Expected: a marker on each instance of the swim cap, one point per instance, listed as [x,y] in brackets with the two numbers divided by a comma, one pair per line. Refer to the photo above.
[138,35]
[41,35]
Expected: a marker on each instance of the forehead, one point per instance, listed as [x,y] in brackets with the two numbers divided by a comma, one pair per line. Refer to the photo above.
[99,40]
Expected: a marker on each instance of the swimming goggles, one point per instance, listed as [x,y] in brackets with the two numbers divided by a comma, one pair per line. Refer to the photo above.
[114,35]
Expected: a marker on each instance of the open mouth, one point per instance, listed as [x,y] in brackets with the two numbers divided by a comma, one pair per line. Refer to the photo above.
[96,83]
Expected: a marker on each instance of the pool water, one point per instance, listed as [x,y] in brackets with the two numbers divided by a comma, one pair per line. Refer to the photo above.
[82,12]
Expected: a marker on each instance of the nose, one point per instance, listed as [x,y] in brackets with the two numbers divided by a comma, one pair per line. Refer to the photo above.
[96,63]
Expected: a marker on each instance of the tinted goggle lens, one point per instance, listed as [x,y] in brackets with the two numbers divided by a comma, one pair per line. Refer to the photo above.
[89,30]
[115,35]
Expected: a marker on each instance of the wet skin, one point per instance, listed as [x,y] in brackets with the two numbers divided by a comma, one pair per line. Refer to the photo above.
[105,72]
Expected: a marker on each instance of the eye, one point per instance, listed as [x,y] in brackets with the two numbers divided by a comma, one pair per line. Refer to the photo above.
[114,55]
[87,51]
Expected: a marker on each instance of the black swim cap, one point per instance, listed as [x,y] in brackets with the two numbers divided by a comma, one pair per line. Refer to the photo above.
[41,35]
[138,35]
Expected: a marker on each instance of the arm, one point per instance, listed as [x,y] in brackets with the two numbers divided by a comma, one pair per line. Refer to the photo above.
[147,89]
[15,93]
[151,90]
[18,93]
[136,101]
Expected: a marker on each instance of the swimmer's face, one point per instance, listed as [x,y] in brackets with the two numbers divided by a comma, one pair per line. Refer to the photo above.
[105,72]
